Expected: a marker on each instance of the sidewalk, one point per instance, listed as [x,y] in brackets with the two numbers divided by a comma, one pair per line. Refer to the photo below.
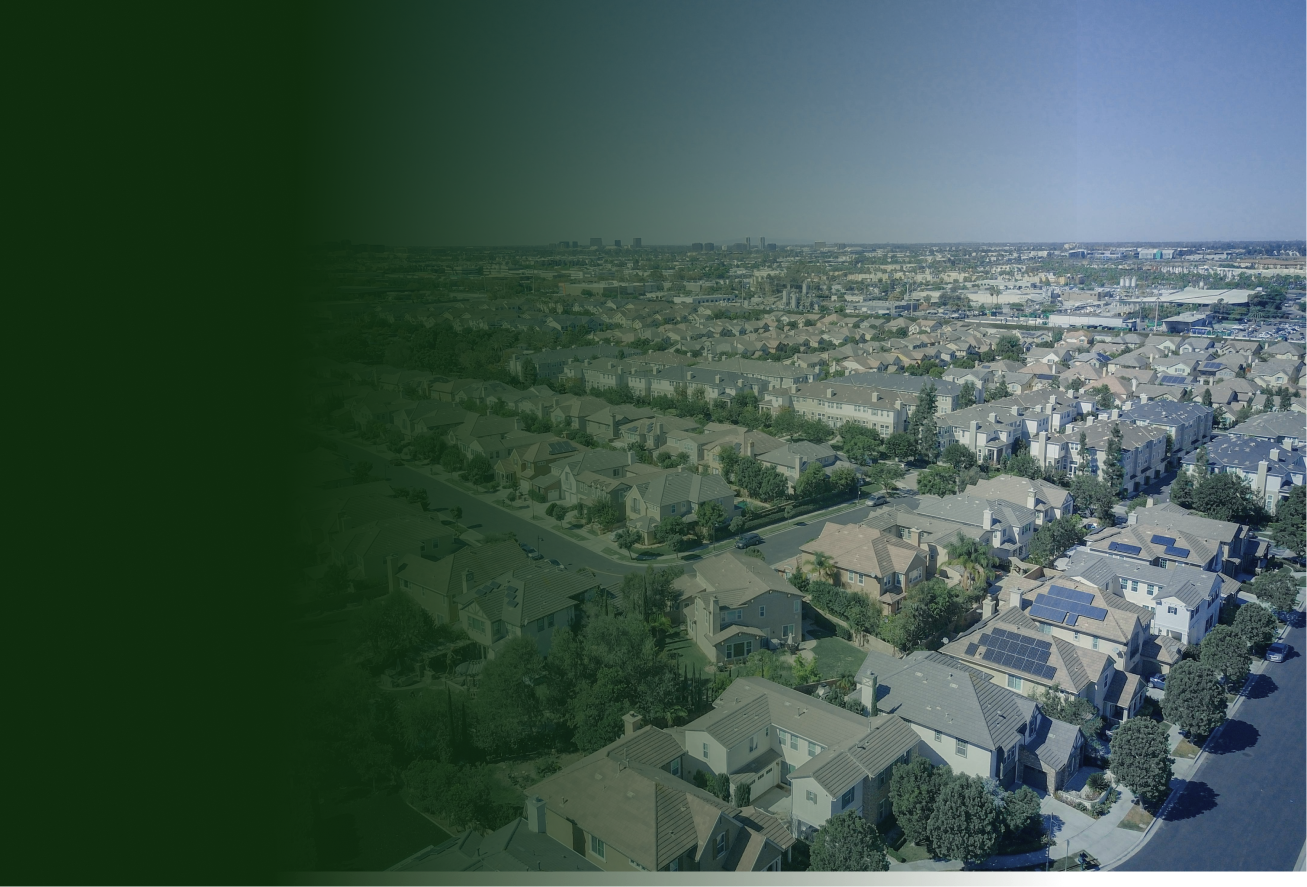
[1075,831]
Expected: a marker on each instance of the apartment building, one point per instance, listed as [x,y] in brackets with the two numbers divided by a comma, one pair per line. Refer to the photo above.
[1188,424]
[1270,468]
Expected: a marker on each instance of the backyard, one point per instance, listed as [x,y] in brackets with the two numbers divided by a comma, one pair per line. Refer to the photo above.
[835,655]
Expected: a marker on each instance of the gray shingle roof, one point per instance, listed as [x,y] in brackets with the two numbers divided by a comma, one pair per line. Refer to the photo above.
[749,704]
[841,766]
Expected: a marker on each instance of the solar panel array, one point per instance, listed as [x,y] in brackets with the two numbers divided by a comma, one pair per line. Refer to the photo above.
[1123,548]
[1162,540]
[1060,603]
[1007,649]
[1176,552]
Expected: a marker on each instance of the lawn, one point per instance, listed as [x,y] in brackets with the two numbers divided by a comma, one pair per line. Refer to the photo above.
[835,655]
[685,651]
[910,853]
[1136,820]
[1185,749]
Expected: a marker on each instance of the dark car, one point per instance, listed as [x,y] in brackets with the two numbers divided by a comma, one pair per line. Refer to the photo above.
[1277,651]
[1158,681]
[557,564]
[535,555]
[748,539]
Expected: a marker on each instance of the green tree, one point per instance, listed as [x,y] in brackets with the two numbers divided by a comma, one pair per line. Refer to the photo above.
[901,446]
[922,426]
[528,372]
[1225,652]
[1194,700]
[974,558]
[1227,497]
[508,710]
[965,824]
[393,627]
[362,472]
[1277,589]
[959,456]
[710,515]
[1054,538]
[627,539]
[824,566]
[1290,527]
[914,790]
[1024,465]
[1021,815]
[938,480]
[671,529]
[813,482]
[848,843]
[1182,488]
[844,480]
[1113,472]
[1141,758]
[805,669]
[1256,626]
[1207,397]
[967,396]
[1070,710]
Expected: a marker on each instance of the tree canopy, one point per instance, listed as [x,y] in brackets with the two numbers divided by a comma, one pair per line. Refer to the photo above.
[1141,758]
[1225,651]
[914,790]
[965,823]
[848,843]
[1194,700]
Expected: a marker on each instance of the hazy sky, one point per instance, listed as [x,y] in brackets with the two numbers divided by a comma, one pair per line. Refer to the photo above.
[866,122]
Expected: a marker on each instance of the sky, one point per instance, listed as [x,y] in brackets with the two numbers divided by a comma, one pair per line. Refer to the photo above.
[519,124]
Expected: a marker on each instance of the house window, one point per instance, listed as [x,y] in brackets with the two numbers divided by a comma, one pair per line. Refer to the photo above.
[1171,610]
[850,572]
[1095,643]
[798,605]
[794,742]
[674,866]
[596,847]
[753,743]
[762,612]
[1046,629]
[1151,588]
[846,799]
[1014,683]
[812,797]
[812,749]
[549,621]
[721,845]
[882,777]
[886,808]
[540,624]
[939,737]
[960,748]
[787,630]
[705,751]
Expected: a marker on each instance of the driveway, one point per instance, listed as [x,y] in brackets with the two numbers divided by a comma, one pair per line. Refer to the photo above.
[1245,807]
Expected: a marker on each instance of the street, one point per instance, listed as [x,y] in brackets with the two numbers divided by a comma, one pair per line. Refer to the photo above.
[1244,810]
[786,543]
[487,518]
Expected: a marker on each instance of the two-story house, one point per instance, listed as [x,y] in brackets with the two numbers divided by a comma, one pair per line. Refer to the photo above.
[678,493]
[1143,450]
[864,560]
[793,459]
[1007,527]
[629,808]
[971,722]
[531,601]
[1270,468]
[1188,424]
[1235,550]
[1048,501]
[1185,602]
[733,605]
[833,760]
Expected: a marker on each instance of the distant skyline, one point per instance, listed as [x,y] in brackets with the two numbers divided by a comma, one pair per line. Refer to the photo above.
[886,123]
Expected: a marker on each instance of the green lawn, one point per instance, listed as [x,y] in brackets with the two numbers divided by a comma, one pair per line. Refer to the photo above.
[835,655]
[1185,749]
[685,651]
[910,853]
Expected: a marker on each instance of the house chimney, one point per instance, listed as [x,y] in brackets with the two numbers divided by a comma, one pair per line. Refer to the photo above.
[987,521]
[1014,598]
[993,417]
[830,392]
[468,584]
[1030,500]
[632,723]
[1276,455]
[1143,398]
[536,817]
[1089,419]
[990,607]
[1116,415]
[869,686]
[748,448]
[1259,486]
[630,457]
[391,561]
[875,396]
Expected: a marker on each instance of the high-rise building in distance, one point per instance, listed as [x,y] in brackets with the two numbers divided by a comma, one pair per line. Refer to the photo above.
[635,242]
[596,241]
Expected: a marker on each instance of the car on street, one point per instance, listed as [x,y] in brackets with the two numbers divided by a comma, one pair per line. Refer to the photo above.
[527,548]
[1158,681]
[535,555]
[557,563]
[877,499]
[1277,651]
[748,539]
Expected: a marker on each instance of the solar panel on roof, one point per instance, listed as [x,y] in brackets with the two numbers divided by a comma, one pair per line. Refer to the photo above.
[1039,611]
[1163,540]
[971,649]
[985,639]
[1041,655]
[1047,672]
[1176,552]
[990,655]
[1042,645]
[1070,594]
[1071,619]
[1123,548]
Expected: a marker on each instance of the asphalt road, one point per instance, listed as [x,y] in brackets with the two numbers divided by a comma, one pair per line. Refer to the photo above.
[786,543]
[486,518]
[1245,809]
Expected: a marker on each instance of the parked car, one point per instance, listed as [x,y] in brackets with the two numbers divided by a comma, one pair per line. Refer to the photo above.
[557,563]
[527,548]
[535,555]
[1277,651]
[877,499]
[748,540]
[1158,681]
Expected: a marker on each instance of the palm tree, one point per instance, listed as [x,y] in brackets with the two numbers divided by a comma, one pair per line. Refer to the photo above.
[824,565]
[975,560]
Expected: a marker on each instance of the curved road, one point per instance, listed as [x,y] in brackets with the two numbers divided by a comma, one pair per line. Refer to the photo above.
[1245,809]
